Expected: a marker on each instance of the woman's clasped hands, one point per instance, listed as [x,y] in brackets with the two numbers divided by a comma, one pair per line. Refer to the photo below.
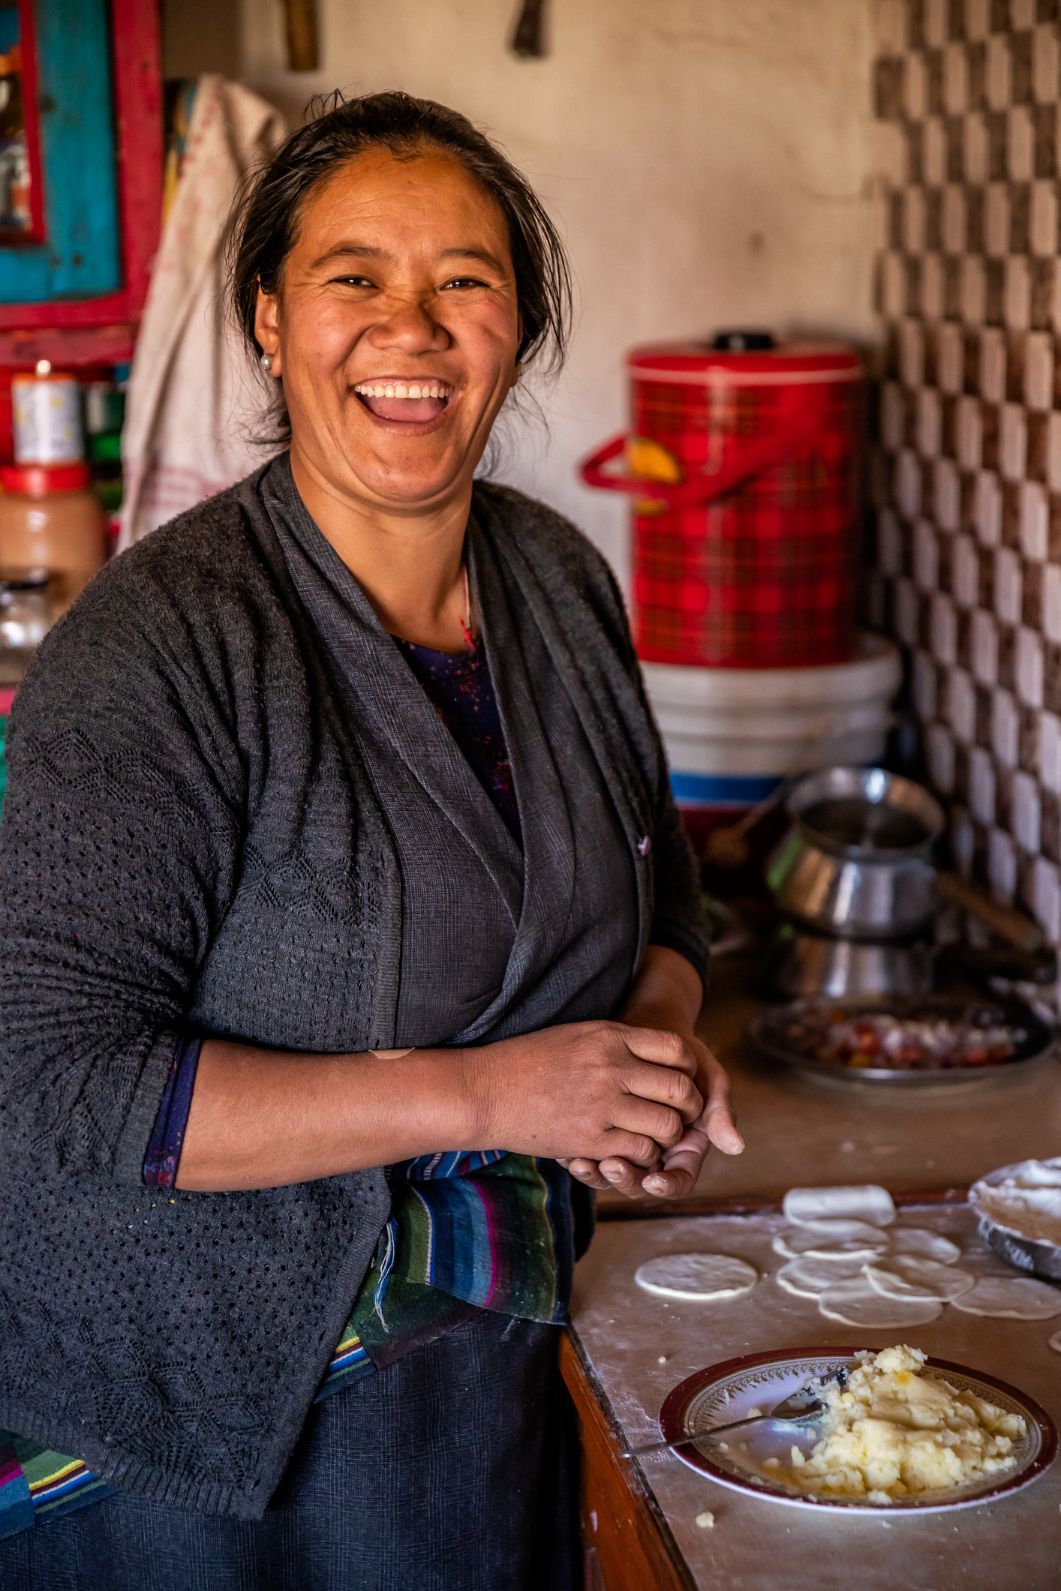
[621,1106]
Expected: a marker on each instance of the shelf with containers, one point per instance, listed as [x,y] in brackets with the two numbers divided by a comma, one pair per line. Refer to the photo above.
[81,116]
[81,173]
[73,284]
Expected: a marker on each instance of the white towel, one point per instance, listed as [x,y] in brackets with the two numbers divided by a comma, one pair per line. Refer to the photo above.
[195,401]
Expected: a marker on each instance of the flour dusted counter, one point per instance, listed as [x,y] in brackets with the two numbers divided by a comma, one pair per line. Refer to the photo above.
[655,1523]
[640,1518]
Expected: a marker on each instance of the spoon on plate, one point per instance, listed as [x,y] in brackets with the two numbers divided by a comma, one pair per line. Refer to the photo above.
[799,1408]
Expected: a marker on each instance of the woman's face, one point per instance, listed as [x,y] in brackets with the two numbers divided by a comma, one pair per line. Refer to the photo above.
[400,281]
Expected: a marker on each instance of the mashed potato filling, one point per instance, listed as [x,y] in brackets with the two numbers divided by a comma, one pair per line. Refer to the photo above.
[892,1433]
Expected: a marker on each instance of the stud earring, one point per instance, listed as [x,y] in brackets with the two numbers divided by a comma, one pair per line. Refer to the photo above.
[266,362]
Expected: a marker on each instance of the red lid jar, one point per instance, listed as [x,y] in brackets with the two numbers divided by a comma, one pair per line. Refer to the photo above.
[50,517]
[743,466]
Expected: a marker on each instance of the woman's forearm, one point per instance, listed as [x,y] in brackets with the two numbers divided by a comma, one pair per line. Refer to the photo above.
[667,992]
[262,1118]
[265,1118]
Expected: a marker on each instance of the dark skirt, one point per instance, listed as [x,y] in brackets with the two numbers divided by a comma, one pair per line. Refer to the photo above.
[453,1470]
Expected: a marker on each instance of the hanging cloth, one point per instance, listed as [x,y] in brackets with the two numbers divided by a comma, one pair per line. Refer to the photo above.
[195,402]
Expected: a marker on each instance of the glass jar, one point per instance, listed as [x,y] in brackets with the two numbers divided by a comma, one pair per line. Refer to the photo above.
[26,614]
[50,518]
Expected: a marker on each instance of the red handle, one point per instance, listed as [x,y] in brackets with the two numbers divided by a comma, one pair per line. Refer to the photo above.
[781,446]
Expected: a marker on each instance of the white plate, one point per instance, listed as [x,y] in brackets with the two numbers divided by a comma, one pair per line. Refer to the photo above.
[731,1390]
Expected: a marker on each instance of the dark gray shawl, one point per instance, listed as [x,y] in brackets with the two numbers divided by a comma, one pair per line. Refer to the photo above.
[231,809]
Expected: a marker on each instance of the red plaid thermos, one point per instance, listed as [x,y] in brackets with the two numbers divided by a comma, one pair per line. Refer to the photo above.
[743,467]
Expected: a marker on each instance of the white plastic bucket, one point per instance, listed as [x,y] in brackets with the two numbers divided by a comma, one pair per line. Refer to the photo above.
[781,724]
[731,735]
[777,757]
[873,675]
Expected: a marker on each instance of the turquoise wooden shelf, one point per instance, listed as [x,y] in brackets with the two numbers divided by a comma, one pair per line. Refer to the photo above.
[80,256]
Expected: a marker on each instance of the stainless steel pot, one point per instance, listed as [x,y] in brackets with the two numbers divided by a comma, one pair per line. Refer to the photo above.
[857,861]
[807,964]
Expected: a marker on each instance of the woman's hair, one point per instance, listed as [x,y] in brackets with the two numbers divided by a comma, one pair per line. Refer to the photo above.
[264,223]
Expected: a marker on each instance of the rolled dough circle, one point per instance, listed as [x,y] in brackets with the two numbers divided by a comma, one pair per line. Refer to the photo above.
[856,1303]
[840,1240]
[1012,1297]
[1055,1342]
[920,1243]
[906,1276]
[700,1277]
[808,1277]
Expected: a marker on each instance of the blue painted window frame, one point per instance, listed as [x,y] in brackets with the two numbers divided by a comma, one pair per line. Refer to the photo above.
[80,256]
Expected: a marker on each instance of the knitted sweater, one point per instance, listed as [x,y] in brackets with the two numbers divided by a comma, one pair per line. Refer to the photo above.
[193,842]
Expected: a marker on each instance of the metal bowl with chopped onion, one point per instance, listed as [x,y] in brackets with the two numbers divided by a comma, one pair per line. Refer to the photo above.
[912,1040]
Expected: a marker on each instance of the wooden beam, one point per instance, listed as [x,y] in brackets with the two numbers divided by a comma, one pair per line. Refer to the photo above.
[529,38]
[303,45]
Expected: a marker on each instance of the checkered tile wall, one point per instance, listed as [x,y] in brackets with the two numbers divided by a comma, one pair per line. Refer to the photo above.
[966,476]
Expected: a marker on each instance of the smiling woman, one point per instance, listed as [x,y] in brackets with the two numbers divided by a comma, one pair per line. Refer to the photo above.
[376,297]
[265,225]
[368,941]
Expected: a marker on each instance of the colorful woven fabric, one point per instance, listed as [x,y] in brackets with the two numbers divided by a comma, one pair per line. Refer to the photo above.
[38,1483]
[484,1231]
